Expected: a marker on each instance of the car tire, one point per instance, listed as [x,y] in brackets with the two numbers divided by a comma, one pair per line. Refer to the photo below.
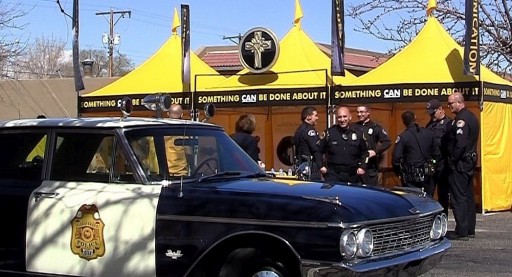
[250,262]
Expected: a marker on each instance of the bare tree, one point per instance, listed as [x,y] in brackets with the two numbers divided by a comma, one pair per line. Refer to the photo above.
[44,58]
[399,22]
[100,59]
[122,64]
[10,46]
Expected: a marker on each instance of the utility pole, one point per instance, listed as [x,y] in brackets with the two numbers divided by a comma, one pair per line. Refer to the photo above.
[232,38]
[111,40]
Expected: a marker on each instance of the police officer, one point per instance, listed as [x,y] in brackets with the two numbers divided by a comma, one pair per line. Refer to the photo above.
[439,124]
[377,140]
[461,142]
[413,154]
[305,141]
[345,149]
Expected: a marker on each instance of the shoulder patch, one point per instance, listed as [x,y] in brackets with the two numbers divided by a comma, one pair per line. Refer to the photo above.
[312,133]
[397,139]
[460,132]
[354,136]
[460,123]
[370,131]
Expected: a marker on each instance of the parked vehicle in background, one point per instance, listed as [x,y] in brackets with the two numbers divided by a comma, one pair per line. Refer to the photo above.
[98,197]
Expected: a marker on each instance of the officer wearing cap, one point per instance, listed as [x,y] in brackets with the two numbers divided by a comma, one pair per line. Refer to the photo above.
[412,155]
[305,140]
[345,149]
[439,124]
[377,140]
[461,142]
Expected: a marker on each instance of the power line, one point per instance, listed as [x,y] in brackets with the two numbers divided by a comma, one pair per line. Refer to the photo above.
[232,38]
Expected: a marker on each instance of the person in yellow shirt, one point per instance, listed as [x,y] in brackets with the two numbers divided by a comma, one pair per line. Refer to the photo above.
[176,156]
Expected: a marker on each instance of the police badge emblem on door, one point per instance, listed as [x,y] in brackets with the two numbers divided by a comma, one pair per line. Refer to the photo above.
[87,233]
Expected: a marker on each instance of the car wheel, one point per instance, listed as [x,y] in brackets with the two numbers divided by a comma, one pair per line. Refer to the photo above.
[252,263]
[267,271]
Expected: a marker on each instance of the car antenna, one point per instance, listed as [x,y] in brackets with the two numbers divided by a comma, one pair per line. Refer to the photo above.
[180,194]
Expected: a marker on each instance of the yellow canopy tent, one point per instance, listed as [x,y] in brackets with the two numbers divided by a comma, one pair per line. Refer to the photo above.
[433,57]
[301,76]
[161,73]
[301,64]
[431,66]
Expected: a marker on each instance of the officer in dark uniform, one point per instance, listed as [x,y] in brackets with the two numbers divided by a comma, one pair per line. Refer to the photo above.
[345,149]
[439,124]
[377,140]
[461,142]
[306,143]
[412,155]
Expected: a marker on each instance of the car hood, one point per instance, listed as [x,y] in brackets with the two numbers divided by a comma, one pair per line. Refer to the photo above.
[282,199]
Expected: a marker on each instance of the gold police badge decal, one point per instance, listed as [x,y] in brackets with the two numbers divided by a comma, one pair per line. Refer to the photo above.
[87,240]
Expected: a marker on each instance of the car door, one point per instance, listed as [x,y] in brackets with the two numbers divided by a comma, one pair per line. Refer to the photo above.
[91,217]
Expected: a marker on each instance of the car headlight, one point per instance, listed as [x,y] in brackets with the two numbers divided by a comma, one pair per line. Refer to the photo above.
[444,224]
[437,228]
[364,243]
[348,244]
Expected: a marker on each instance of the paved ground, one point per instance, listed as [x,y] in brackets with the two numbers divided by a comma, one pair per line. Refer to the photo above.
[488,254]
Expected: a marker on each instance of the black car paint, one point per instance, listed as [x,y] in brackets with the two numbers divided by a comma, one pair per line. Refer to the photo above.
[194,217]
[14,195]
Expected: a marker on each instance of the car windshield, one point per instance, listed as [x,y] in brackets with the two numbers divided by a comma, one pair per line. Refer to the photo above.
[181,153]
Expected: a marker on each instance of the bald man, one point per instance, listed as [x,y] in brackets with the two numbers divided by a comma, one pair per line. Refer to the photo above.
[176,156]
[175,112]
[461,144]
[345,150]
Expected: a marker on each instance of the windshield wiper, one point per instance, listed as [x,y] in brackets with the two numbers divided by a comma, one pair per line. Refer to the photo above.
[257,175]
[219,175]
[233,174]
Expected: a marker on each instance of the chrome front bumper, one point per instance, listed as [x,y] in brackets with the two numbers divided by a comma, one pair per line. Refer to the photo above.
[411,263]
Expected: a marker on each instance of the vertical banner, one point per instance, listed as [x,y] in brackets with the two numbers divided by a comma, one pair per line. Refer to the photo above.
[338,38]
[472,39]
[185,62]
[185,46]
[77,72]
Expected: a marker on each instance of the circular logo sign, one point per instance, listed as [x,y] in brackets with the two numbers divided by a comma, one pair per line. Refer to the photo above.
[258,50]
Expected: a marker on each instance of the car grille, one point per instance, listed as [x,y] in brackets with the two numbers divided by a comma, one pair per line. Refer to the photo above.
[403,235]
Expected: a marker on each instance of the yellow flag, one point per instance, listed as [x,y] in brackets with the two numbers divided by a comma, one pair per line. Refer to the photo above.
[298,13]
[431,6]
[176,22]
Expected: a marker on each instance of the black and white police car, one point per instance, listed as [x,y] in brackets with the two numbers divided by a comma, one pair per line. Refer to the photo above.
[160,197]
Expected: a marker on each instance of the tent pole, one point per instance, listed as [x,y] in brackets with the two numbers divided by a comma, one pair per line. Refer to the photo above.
[481,104]
[329,84]
[186,88]
[269,140]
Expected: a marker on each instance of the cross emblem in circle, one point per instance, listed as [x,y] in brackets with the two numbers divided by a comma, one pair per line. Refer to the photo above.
[258,45]
[258,50]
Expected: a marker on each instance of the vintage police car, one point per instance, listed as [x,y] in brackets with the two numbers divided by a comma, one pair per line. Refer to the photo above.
[162,197]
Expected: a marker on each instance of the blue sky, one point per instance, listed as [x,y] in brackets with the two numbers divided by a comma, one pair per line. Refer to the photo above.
[150,23]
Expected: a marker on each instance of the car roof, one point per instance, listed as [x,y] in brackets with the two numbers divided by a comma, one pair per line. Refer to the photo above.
[100,122]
